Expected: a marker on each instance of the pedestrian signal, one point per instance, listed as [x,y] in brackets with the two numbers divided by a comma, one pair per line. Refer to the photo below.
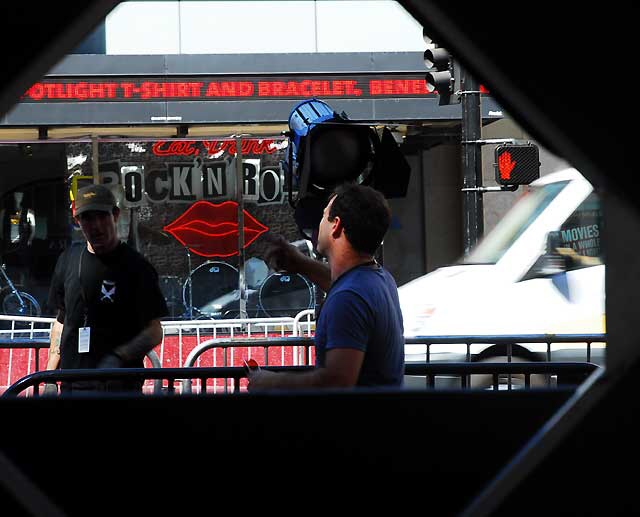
[517,164]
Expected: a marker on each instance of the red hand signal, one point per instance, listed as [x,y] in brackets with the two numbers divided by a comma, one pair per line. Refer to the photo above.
[505,165]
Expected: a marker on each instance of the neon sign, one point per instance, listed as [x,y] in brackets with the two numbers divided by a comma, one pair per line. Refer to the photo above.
[215,147]
[211,230]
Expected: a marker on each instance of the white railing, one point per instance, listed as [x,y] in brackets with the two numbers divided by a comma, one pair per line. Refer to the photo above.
[25,327]
[304,320]
[181,337]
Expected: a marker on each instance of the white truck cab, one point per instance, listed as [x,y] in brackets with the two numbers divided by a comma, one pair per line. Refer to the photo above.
[539,271]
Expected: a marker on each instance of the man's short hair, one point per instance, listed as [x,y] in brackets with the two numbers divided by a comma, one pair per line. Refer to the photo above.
[364,213]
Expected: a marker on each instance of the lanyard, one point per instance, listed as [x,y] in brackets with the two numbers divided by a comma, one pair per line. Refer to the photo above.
[83,295]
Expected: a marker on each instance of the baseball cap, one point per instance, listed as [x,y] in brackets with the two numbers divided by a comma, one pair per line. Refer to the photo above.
[94,197]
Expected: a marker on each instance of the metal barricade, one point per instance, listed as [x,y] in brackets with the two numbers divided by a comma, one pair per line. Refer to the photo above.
[33,334]
[181,337]
[192,338]
[22,339]
[564,374]
[294,342]
[304,320]
[568,374]
[510,343]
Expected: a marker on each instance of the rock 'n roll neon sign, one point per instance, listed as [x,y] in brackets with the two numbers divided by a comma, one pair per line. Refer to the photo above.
[211,230]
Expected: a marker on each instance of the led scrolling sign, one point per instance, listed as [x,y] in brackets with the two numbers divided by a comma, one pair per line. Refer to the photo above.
[231,88]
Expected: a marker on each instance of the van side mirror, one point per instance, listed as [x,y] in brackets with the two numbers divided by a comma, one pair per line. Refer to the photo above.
[551,262]
[554,241]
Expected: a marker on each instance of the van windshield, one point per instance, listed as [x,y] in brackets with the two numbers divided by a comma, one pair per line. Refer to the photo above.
[514,224]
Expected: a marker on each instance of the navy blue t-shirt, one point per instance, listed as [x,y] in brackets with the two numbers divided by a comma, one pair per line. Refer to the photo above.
[362,311]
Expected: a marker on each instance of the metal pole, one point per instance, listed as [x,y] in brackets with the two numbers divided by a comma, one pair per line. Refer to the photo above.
[472,205]
[95,159]
[240,198]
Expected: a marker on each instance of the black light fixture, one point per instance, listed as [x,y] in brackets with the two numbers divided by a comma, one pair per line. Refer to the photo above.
[327,149]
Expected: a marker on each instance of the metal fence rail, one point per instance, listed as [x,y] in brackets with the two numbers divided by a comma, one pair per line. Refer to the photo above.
[182,337]
[223,337]
[509,342]
[297,343]
[303,342]
[22,340]
[568,374]
[564,373]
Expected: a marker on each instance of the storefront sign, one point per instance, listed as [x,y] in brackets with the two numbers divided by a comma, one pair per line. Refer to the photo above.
[215,147]
[188,182]
[151,89]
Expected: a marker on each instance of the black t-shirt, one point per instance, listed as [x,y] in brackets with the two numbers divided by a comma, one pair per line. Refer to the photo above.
[119,293]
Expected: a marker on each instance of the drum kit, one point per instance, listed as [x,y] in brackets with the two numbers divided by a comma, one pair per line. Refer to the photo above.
[212,290]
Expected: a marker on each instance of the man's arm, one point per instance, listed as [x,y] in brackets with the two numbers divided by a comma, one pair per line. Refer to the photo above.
[341,370]
[316,271]
[54,348]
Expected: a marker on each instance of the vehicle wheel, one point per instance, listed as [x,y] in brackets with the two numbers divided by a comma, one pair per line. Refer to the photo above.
[29,307]
[517,380]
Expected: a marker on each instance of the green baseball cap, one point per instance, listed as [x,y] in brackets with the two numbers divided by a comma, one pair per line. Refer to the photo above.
[94,197]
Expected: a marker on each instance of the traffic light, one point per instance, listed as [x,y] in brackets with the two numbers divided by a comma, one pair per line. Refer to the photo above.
[517,164]
[443,75]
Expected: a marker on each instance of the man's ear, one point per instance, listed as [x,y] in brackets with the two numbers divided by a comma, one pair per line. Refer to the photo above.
[116,213]
[336,227]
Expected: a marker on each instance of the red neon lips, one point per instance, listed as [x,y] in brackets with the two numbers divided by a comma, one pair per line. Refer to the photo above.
[212,230]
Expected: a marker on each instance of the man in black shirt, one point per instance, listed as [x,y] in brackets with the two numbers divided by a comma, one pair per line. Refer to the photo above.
[107,295]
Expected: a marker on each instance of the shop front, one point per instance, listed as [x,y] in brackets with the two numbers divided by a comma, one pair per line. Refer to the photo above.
[196,160]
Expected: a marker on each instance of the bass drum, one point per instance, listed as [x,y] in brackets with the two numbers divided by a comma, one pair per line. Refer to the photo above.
[215,290]
[285,295]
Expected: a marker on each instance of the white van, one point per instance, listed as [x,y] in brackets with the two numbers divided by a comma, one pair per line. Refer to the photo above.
[540,271]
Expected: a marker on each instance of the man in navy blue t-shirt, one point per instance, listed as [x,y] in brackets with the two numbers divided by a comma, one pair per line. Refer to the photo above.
[359,333]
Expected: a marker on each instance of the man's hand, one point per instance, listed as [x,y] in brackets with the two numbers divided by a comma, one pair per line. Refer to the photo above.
[260,380]
[282,256]
[110,360]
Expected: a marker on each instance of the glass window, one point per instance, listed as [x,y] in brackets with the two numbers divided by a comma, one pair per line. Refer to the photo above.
[34,221]
[514,224]
[579,236]
[180,207]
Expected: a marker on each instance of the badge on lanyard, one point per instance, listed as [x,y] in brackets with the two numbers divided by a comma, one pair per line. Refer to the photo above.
[84,333]
[84,339]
